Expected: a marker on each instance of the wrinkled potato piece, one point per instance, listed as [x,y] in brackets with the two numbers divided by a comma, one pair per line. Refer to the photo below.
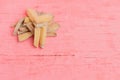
[18,25]
[53,27]
[51,34]
[24,36]
[27,20]
[37,36]
[30,27]
[33,15]
[43,36]
[23,29]
[45,18]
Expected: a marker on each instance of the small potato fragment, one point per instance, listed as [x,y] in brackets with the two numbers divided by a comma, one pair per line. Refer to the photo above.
[30,27]
[45,18]
[39,13]
[51,34]
[24,36]
[33,15]
[18,25]
[23,29]
[27,20]
[20,32]
[53,27]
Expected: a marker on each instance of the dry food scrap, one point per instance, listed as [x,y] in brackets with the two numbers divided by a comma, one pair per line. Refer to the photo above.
[37,24]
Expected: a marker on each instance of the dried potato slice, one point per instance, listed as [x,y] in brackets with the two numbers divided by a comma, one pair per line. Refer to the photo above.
[51,34]
[18,25]
[23,29]
[43,36]
[37,36]
[24,36]
[30,27]
[45,18]
[27,20]
[53,27]
[33,15]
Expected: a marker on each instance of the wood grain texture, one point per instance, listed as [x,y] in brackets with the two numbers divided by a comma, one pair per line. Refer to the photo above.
[87,46]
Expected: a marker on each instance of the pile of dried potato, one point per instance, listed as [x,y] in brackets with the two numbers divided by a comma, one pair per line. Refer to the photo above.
[39,25]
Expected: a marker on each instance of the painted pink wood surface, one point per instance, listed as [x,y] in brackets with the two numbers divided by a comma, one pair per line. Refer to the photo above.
[90,30]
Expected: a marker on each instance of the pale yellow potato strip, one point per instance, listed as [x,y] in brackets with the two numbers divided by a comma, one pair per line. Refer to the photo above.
[19,32]
[51,34]
[18,25]
[37,36]
[33,15]
[24,36]
[39,13]
[45,18]
[43,36]
[53,27]
[26,20]
[30,27]
[23,29]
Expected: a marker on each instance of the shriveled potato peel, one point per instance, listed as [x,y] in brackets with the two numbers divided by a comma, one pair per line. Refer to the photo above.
[24,36]
[37,24]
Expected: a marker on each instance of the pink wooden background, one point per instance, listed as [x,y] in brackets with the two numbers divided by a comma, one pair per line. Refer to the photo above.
[87,46]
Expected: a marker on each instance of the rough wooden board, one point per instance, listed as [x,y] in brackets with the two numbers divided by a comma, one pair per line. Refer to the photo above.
[90,29]
[20,32]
